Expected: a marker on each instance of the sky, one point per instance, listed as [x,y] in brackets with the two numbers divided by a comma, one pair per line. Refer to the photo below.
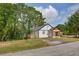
[55,13]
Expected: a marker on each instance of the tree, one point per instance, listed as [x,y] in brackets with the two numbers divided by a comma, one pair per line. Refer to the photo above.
[16,20]
[73,23]
[6,12]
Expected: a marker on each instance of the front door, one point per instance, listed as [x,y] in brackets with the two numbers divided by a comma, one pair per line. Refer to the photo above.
[56,33]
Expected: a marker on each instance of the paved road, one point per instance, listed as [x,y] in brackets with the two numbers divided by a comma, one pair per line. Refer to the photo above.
[68,49]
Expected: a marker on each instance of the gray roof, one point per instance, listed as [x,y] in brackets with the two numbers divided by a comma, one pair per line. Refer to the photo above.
[38,28]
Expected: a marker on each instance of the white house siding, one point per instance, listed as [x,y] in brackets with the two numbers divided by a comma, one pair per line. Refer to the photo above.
[46,31]
[41,35]
[47,27]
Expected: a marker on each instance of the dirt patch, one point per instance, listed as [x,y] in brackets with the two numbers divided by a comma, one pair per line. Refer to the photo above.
[55,42]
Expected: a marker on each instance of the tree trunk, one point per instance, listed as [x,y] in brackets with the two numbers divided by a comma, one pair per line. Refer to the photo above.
[3,37]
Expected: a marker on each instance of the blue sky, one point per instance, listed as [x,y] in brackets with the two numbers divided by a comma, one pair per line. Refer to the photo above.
[55,13]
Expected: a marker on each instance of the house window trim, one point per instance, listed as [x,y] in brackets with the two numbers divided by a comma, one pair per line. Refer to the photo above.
[44,32]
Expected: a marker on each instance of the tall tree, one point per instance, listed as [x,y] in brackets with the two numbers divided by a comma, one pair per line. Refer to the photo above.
[18,19]
[73,23]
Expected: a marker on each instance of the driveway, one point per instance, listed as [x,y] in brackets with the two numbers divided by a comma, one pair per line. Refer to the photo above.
[68,49]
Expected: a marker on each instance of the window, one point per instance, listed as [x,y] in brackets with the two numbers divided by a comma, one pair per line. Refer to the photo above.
[43,32]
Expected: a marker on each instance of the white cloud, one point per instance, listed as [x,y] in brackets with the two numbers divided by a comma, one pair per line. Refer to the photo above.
[49,13]
[52,15]
[64,15]
[73,9]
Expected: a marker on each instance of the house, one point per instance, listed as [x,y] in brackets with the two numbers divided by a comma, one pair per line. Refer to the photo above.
[56,32]
[45,31]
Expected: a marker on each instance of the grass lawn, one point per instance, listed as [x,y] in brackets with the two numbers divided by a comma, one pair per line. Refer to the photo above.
[18,45]
[64,39]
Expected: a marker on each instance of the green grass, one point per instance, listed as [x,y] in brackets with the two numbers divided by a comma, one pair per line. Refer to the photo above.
[64,39]
[19,45]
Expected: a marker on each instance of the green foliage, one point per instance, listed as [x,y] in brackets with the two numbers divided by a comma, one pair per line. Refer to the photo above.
[62,27]
[72,25]
[17,20]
